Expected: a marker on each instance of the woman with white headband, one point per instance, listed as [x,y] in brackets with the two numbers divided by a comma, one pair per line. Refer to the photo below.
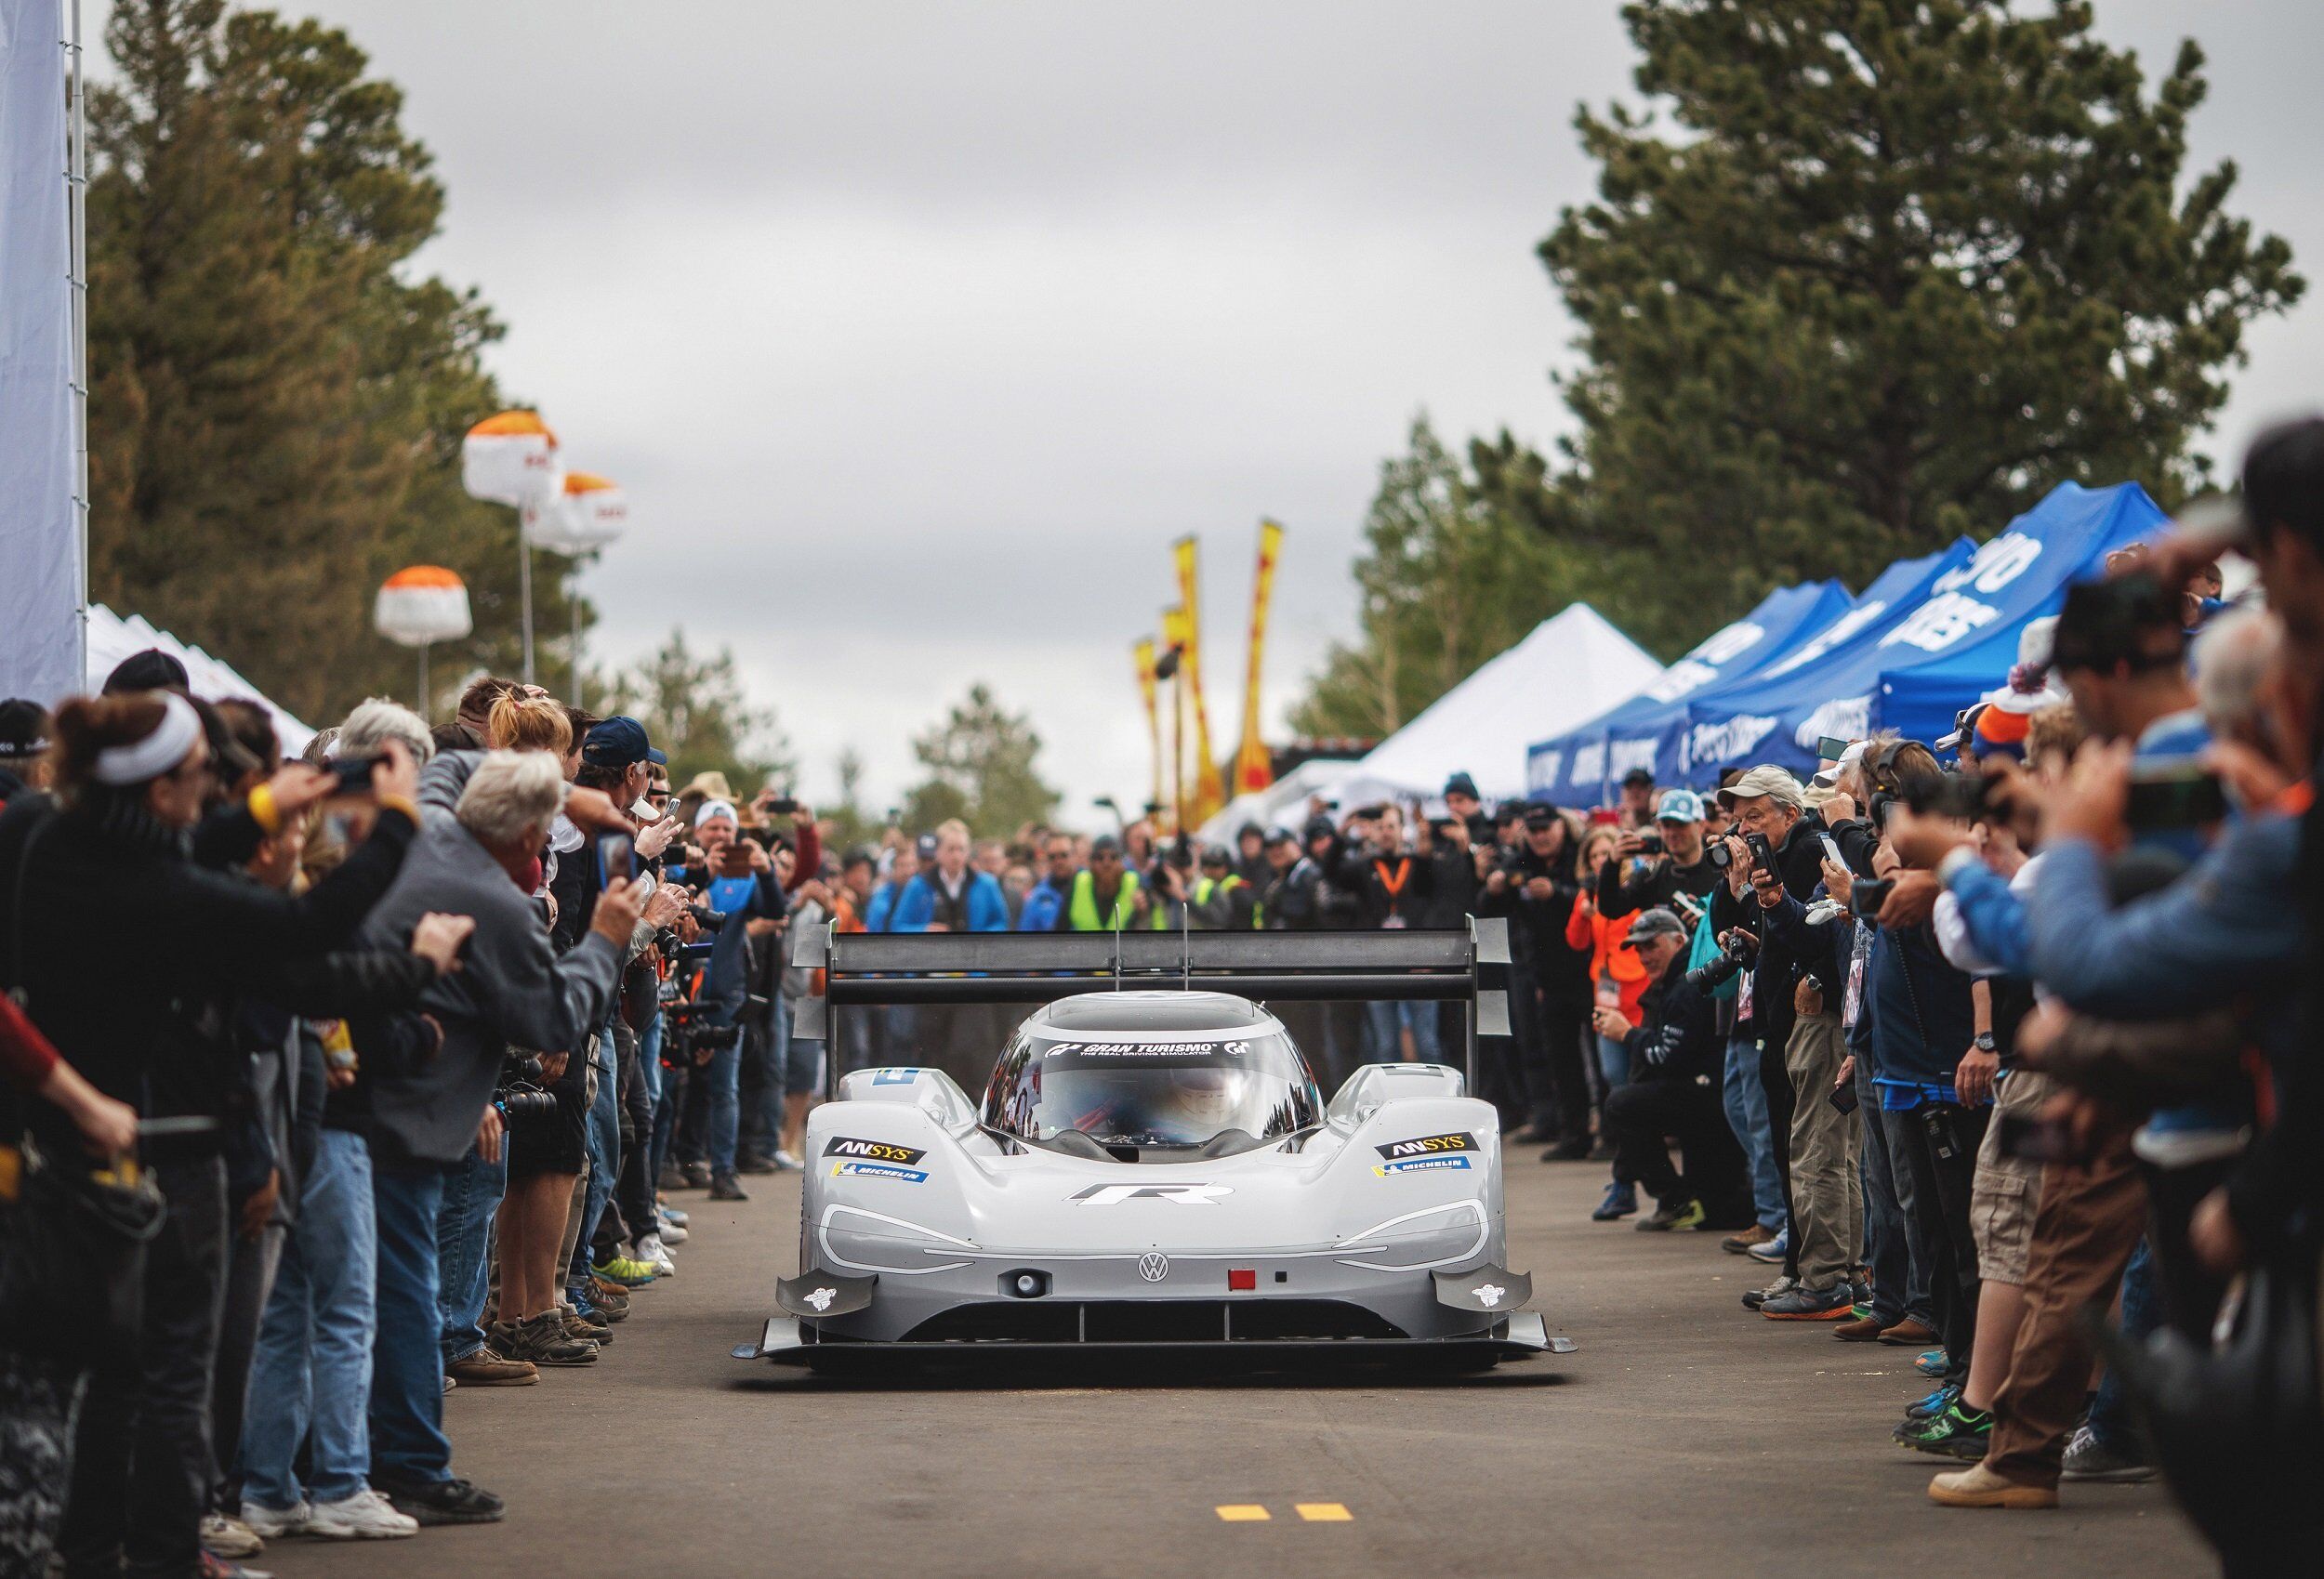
[111,938]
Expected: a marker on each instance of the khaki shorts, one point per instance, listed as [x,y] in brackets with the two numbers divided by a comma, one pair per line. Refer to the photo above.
[2006,1190]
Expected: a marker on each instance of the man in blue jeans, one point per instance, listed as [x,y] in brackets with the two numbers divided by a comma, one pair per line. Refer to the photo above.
[472,1191]
[742,887]
[484,820]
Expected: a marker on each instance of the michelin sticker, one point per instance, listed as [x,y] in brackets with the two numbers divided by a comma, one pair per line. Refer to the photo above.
[879,1170]
[1421,1165]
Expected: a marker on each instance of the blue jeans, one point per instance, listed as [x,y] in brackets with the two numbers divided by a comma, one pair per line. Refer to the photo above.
[1887,1246]
[1613,1062]
[407,1440]
[604,1149]
[1383,1022]
[724,1072]
[1746,1102]
[311,1373]
[464,1227]
[2110,1419]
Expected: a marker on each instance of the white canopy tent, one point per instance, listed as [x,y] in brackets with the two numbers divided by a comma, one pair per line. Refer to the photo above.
[1283,801]
[1571,668]
[111,638]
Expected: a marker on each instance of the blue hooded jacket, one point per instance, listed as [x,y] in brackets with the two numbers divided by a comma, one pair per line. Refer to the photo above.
[916,907]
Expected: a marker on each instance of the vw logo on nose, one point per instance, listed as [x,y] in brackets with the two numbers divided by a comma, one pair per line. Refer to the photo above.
[1153,1266]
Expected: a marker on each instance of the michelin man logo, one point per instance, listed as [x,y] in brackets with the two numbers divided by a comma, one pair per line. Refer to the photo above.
[821,1300]
[1490,1293]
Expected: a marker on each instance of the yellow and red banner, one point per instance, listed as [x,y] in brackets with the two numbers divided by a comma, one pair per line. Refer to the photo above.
[1254,770]
[1210,789]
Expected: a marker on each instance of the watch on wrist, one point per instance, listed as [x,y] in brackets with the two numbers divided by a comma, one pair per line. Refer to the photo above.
[1985,1042]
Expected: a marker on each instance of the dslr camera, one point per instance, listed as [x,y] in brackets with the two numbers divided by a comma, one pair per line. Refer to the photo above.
[1735,953]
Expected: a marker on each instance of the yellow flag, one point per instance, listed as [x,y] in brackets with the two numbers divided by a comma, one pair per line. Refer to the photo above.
[1209,790]
[1142,652]
[1254,770]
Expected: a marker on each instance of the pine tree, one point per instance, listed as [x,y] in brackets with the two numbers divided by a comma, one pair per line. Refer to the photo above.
[1868,273]
[1450,577]
[980,762]
[694,709]
[275,411]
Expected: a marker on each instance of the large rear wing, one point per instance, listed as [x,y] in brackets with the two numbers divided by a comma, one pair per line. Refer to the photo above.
[863,968]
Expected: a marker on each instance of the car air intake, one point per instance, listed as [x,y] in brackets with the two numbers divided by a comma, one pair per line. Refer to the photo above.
[1159,1320]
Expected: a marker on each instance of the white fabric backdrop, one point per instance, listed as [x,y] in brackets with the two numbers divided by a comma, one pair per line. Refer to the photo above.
[40,572]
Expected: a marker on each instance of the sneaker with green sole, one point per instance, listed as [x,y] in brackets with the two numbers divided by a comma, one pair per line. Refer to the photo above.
[1959,1432]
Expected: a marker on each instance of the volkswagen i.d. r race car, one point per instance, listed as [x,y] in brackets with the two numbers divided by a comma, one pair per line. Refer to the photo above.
[1152,1168]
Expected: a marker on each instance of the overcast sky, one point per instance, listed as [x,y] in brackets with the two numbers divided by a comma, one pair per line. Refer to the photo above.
[917,332]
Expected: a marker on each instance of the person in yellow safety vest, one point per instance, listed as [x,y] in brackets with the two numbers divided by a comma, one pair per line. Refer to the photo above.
[1104,897]
[1223,901]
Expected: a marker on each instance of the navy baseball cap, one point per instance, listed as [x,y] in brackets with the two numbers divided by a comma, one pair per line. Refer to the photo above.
[617,742]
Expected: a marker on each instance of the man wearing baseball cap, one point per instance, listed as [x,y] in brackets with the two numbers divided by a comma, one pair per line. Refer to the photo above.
[24,747]
[1638,800]
[1795,1004]
[1676,1056]
[1640,877]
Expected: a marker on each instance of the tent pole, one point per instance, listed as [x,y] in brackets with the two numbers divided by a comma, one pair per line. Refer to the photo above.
[423,680]
[76,274]
[524,586]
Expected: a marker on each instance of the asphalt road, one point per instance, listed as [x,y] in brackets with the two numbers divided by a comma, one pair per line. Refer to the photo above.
[1688,1436]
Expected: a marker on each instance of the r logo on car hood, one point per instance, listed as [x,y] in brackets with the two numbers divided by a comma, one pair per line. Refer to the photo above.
[1184,1194]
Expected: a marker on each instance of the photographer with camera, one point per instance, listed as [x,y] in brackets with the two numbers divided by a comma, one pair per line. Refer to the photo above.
[1393,883]
[1535,883]
[1650,870]
[1676,1055]
[740,887]
[1774,866]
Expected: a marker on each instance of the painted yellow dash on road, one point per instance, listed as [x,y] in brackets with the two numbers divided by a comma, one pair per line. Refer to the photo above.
[1325,1512]
[1243,1513]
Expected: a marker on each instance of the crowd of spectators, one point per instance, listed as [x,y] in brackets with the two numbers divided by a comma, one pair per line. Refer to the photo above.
[394,1057]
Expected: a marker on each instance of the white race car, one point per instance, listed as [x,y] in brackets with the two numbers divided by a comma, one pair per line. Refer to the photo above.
[1152,1168]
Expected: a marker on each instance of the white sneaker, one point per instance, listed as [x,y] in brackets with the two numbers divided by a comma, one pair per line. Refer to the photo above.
[788,1162]
[672,1234]
[366,1515]
[222,1536]
[270,1522]
[650,1251]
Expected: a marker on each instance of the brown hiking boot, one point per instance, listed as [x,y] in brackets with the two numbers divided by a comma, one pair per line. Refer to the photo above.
[542,1340]
[485,1368]
[1912,1334]
[1863,1331]
[1737,1243]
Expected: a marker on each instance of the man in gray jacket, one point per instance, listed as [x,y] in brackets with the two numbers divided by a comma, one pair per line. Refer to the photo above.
[484,820]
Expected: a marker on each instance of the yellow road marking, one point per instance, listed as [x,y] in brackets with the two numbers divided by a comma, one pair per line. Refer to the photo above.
[1243,1513]
[1325,1512]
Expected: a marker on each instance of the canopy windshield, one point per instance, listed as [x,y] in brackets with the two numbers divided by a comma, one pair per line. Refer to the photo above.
[1180,1091]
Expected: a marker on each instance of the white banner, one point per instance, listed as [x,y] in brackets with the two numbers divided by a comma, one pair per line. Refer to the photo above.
[40,572]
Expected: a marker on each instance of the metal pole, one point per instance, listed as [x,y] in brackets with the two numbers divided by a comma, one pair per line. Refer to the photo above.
[524,585]
[423,680]
[572,598]
[76,274]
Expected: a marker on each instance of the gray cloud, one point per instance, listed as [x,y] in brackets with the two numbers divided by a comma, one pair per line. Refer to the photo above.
[919,331]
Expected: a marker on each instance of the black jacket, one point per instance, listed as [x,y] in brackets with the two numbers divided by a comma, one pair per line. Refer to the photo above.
[1656,886]
[1369,878]
[1291,902]
[1537,925]
[1678,1037]
[1800,861]
[122,935]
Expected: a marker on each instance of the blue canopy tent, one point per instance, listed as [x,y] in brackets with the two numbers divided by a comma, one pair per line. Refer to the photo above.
[1919,701]
[1734,724]
[2019,575]
[1571,769]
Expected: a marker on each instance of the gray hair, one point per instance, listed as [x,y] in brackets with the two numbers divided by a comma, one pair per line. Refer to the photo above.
[2232,658]
[513,797]
[377,722]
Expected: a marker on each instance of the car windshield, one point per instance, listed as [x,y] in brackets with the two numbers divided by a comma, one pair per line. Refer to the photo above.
[1175,1092]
